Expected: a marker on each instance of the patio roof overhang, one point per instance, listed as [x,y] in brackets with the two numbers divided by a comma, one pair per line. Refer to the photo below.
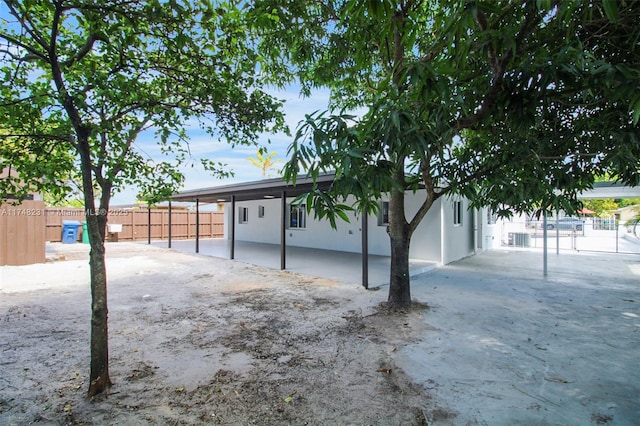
[265,189]
[255,190]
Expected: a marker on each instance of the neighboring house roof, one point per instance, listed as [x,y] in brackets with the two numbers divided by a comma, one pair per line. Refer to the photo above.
[256,190]
[610,190]
[7,172]
[628,212]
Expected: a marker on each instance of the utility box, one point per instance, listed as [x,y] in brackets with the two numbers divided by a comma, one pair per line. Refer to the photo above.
[519,239]
[113,229]
[70,231]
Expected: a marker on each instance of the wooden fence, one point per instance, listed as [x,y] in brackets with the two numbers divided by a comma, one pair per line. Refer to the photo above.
[135,224]
[22,236]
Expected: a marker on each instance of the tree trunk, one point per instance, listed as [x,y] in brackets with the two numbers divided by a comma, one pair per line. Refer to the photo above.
[400,238]
[400,283]
[99,379]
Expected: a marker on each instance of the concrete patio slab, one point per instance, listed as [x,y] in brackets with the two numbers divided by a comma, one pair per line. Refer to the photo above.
[334,265]
[509,346]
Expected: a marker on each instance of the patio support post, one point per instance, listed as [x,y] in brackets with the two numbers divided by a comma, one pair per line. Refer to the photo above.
[148,224]
[283,230]
[557,233]
[365,250]
[169,230]
[232,246]
[544,243]
[197,225]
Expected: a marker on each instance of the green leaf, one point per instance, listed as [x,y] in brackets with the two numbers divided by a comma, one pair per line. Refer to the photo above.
[611,9]
[635,110]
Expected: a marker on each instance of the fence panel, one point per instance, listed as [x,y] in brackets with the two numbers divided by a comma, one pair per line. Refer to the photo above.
[22,233]
[135,224]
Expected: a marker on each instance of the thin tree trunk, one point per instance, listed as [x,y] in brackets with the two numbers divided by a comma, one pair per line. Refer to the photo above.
[99,379]
[99,375]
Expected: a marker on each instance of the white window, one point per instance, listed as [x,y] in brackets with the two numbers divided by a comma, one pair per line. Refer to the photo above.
[492,217]
[260,211]
[243,214]
[298,216]
[383,213]
[457,213]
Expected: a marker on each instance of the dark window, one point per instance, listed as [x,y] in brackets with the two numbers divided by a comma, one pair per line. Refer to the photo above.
[457,213]
[243,215]
[383,214]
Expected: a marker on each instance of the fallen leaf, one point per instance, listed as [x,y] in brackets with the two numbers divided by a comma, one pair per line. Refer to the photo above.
[67,408]
[180,389]
[289,398]
[556,379]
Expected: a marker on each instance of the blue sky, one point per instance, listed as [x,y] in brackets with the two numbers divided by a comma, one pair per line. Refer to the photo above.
[204,146]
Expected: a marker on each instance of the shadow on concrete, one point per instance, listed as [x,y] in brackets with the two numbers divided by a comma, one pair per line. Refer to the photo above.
[334,265]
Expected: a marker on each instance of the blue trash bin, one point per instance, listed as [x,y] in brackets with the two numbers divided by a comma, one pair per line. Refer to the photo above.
[70,231]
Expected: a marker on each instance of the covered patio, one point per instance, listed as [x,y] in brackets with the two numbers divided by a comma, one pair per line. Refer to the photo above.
[277,188]
[329,264]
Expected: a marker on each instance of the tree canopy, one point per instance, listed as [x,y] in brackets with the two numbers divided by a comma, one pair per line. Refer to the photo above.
[127,67]
[264,161]
[81,80]
[516,105]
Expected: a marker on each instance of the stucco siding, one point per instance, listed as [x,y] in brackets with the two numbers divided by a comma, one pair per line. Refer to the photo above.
[426,241]
[458,241]
[316,234]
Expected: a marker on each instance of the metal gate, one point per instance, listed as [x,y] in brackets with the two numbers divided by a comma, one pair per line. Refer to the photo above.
[583,234]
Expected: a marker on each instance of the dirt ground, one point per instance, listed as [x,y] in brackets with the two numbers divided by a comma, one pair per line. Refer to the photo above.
[200,340]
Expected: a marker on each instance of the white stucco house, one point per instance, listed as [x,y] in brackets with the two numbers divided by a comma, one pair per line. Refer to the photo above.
[263,212]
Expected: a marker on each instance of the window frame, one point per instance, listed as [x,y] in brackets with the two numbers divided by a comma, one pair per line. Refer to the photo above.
[383,214]
[492,217]
[243,215]
[299,214]
[457,213]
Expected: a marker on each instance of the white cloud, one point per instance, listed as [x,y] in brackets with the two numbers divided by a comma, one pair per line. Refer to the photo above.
[202,145]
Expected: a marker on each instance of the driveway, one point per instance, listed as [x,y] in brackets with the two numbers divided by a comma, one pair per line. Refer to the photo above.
[508,346]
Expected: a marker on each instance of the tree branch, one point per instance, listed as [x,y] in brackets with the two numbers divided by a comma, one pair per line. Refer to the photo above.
[33,53]
[27,26]
[498,67]
[432,196]
[82,52]
[37,136]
